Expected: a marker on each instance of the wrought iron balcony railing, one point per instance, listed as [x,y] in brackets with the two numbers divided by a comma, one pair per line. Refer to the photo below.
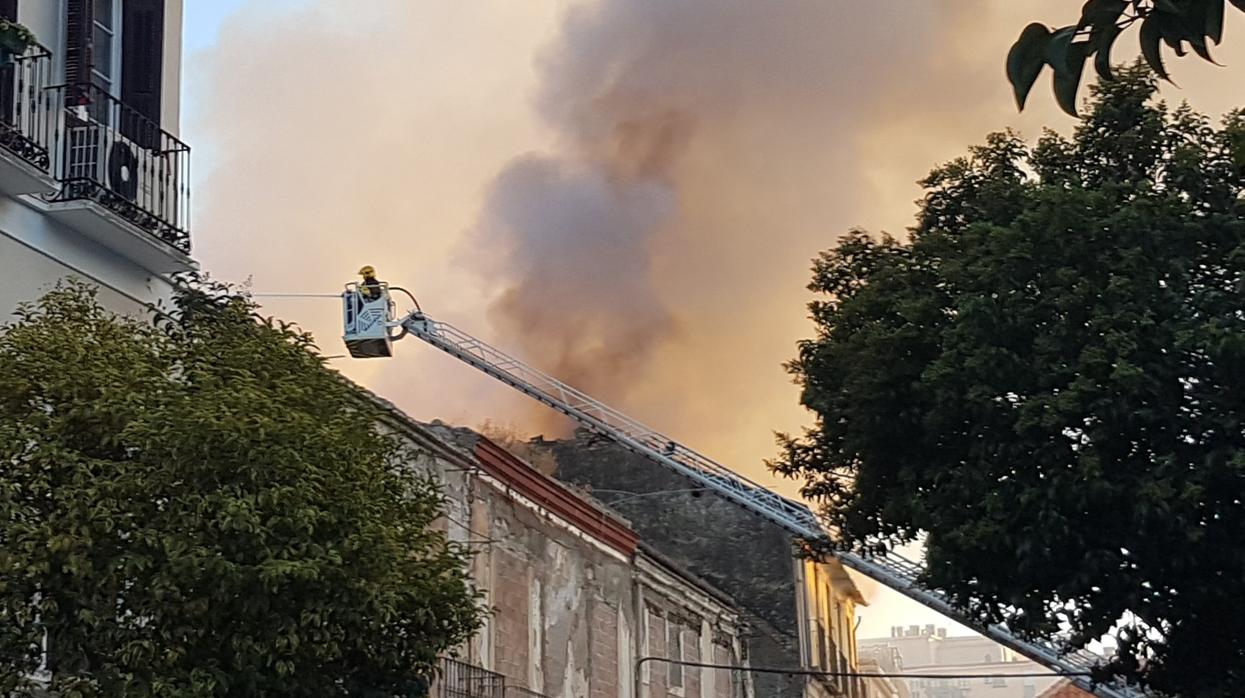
[106,151]
[461,680]
[456,679]
[27,110]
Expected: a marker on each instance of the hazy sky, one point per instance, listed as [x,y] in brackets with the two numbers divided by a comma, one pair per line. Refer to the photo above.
[626,191]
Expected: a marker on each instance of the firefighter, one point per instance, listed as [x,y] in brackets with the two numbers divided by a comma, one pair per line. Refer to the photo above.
[369,288]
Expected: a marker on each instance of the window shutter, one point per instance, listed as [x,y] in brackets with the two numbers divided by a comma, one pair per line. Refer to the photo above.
[142,56]
[79,41]
[8,10]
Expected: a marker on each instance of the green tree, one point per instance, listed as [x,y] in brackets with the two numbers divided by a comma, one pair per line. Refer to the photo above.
[1183,25]
[200,507]
[1048,382]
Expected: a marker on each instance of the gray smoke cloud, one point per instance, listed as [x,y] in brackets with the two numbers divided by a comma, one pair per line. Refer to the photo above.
[727,141]
[682,131]
[557,226]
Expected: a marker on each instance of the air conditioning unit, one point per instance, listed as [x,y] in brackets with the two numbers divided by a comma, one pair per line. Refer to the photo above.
[101,155]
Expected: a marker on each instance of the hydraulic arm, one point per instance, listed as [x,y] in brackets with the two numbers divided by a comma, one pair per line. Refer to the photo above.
[890,569]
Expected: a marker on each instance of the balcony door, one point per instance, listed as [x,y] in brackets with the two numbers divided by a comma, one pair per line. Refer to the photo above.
[115,53]
[106,27]
[8,73]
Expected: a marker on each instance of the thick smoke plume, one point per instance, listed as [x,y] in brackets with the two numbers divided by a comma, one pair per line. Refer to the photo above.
[554,227]
[696,154]
[701,157]
[699,153]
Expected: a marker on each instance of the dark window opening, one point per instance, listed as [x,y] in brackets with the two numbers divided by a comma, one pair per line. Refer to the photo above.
[142,59]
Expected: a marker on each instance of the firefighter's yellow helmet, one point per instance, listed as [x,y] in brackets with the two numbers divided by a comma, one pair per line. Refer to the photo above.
[367,270]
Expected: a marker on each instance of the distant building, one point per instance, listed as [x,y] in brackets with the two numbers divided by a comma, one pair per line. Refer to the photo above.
[929,646]
[881,686]
[1065,689]
[928,650]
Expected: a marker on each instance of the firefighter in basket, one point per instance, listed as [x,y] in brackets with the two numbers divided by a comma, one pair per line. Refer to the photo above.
[369,287]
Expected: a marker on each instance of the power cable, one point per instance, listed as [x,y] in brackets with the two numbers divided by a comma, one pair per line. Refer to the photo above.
[850,674]
[295,295]
[639,495]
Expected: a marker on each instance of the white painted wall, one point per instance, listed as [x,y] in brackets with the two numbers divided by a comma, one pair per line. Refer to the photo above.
[36,252]
[171,73]
[46,19]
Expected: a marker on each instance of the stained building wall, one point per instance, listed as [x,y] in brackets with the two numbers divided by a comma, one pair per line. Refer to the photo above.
[795,609]
[576,598]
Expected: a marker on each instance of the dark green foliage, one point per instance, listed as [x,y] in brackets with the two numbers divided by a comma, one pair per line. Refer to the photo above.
[201,508]
[1048,381]
[1182,25]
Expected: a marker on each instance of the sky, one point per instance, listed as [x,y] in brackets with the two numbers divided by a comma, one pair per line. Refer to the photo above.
[626,193]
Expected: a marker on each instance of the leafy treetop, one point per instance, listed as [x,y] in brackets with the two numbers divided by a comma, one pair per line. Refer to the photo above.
[202,508]
[1182,25]
[1047,382]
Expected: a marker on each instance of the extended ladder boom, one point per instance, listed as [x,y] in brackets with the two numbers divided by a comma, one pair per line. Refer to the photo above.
[889,569]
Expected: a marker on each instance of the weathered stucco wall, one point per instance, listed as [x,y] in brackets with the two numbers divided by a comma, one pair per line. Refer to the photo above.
[788,601]
[574,611]
[734,550]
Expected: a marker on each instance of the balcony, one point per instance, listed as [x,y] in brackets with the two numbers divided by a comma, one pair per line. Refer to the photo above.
[462,680]
[27,117]
[123,181]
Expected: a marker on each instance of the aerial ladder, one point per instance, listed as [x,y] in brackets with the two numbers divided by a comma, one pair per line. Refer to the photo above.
[371,326]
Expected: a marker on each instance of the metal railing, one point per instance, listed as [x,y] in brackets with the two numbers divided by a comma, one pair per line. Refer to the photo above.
[462,680]
[26,108]
[106,151]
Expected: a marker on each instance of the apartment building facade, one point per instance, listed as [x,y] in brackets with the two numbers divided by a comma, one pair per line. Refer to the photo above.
[928,650]
[581,606]
[94,181]
[801,613]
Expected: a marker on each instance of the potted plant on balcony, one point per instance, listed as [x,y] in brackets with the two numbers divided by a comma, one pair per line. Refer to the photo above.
[14,40]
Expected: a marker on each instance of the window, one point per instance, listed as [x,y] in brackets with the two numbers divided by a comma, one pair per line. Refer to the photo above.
[819,650]
[535,635]
[674,650]
[645,670]
[106,33]
[142,58]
